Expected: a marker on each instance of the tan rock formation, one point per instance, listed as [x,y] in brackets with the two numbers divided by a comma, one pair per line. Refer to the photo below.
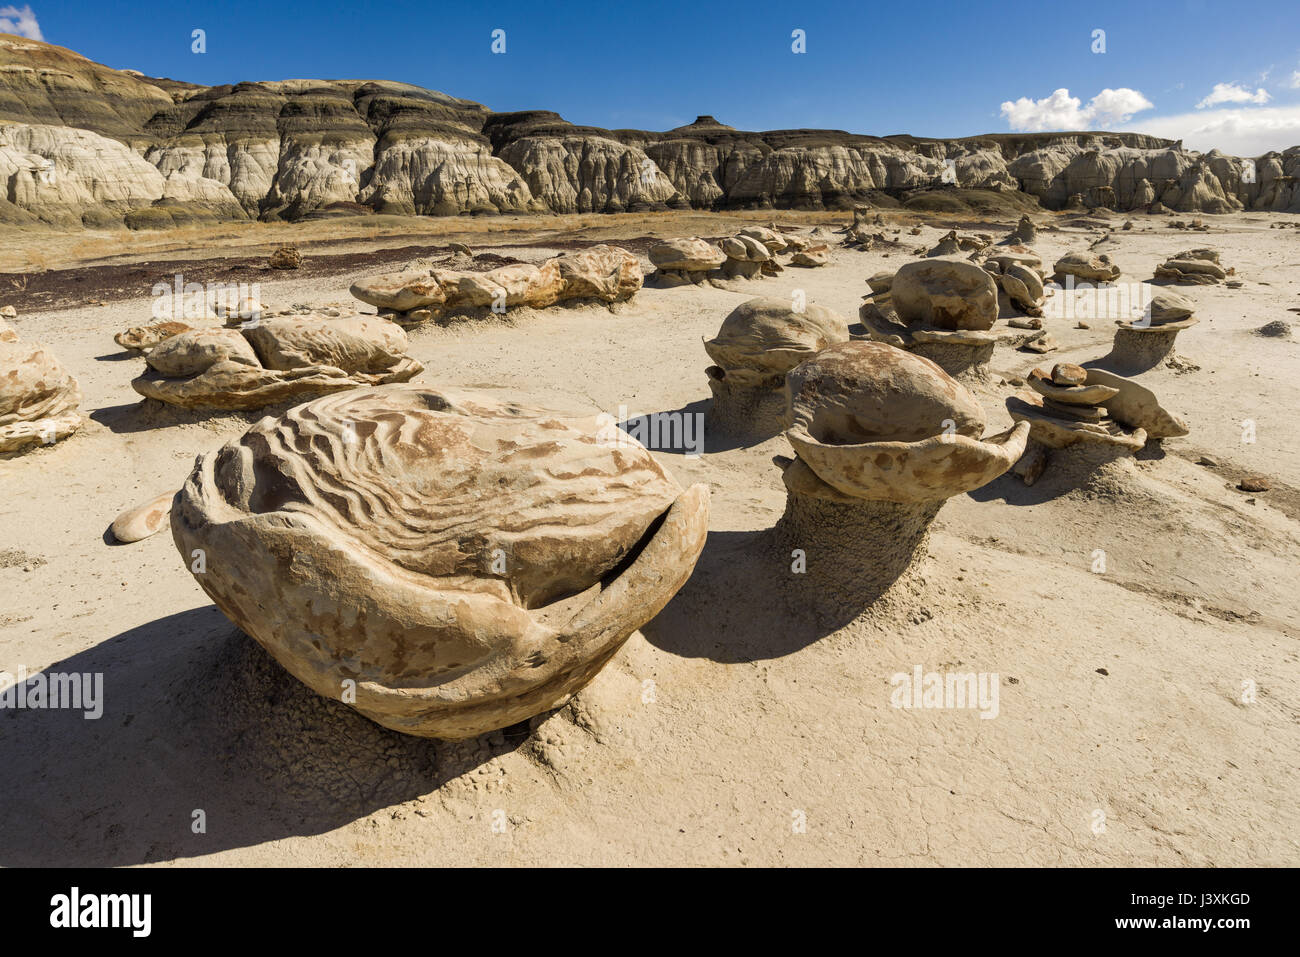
[1085,426]
[760,341]
[405,523]
[881,438]
[38,398]
[1196,267]
[275,360]
[138,523]
[681,261]
[607,273]
[1086,267]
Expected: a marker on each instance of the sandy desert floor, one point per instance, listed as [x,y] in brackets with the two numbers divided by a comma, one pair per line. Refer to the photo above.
[730,730]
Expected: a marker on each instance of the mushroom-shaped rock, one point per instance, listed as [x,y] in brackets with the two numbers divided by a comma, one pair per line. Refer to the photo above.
[459,560]
[1146,342]
[679,261]
[941,309]
[1196,267]
[759,342]
[1086,267]
[275,360]
[945,295]
[38,398]
[882,438]
[1088,425]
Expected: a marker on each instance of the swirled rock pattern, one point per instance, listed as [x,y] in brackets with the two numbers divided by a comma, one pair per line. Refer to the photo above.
[460,561]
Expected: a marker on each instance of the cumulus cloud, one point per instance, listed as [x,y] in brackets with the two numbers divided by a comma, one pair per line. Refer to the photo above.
[1232,93]
[1061,111]
[1251,131]
[1295,80]
[20,21]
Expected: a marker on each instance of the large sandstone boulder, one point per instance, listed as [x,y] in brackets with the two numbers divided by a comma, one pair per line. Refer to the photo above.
[448,563]
[881,439]
[38,398]
[760,341]
[275,360]
[945,294]
[607,273]
[686,255]
[1196,267]
[1086,267]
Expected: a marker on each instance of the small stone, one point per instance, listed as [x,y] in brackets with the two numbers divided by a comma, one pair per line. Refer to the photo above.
[1208,462]
[1044,343]
[1274,329]
[460,249]
[8,312]
[1254,483]
[285,257]
[1067,373]
[1103,671]
[1025,323]
[136,524]
[1082,325]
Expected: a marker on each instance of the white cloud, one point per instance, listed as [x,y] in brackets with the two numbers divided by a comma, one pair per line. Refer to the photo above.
[1232,93]
[1250,131]
[1295,80]
[1060,111]
[20,21]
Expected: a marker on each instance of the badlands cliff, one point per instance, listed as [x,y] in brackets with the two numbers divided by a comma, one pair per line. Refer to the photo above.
[81,143]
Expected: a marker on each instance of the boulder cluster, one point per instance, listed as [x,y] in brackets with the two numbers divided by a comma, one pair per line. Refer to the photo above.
[448,563]
[1086,267]
[750,254]
[944,310]
[605,273]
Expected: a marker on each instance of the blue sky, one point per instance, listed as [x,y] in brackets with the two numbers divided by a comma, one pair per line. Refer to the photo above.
[1212,74]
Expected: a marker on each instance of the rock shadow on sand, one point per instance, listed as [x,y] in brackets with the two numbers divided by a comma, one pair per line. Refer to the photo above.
[197,717]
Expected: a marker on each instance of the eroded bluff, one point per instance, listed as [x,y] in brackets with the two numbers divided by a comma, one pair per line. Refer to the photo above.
[80,142]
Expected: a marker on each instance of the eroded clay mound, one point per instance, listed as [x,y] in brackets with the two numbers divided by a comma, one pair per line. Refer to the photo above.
[38,398]
[468,562]
[275,360]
